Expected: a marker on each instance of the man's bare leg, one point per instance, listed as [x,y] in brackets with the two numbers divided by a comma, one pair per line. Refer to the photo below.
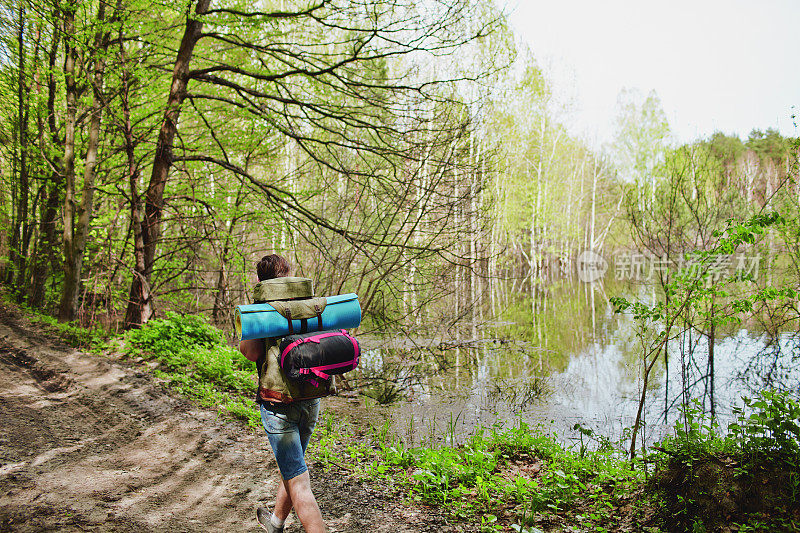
[296,492]
[283,502]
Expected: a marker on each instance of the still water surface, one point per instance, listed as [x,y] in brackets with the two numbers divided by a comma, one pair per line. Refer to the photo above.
[560,356]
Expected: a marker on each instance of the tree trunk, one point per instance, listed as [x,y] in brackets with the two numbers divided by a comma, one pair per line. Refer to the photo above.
[140,304]
[18,248]
[47,245]
[220,312]
[73,256]
[712,338]
[71,94]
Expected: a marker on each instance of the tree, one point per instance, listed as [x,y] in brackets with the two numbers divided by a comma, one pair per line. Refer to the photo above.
[347,97]
[357,138]
[78,216]
[49,139]
[640,138]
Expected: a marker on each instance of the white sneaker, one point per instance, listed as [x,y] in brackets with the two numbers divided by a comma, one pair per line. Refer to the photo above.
[263,516]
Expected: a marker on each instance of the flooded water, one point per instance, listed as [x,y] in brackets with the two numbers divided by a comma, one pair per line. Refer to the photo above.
[559,356]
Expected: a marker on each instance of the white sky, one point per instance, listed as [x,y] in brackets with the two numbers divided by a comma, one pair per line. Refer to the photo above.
[728,65]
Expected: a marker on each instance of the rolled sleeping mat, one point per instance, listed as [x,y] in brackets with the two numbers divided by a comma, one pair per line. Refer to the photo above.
[278,319]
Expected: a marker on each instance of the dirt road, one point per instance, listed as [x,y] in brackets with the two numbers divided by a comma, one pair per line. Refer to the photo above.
[91,443]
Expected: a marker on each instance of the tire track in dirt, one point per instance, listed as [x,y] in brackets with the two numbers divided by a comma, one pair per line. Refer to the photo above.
[90,443]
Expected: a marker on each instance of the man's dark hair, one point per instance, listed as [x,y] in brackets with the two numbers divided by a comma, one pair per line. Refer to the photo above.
[272,266]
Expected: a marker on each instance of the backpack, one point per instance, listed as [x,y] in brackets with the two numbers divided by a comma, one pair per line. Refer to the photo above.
[286,306]
[314,357]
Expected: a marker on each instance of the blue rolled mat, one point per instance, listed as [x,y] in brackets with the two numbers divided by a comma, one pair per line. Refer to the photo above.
[257,321]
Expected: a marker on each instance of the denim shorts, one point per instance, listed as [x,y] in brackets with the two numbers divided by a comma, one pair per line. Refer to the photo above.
[289,427]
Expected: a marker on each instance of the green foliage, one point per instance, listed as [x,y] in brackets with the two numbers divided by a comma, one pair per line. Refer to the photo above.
[92,338]
[695,438]
[195,360]
[525,476]
[521,470]
[738,232]
[175,333]
[693,292]
[641,135]
[769,145]
[726,148]
[752,468]
[768,429]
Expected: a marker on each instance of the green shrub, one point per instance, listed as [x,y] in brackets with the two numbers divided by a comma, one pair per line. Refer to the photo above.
[195,360]
[175,333]
[771,430]
[767,429]
[707,478]
[695,439]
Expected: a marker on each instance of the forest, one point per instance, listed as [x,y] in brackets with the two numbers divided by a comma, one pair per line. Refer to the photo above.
[414,153]
[150,156]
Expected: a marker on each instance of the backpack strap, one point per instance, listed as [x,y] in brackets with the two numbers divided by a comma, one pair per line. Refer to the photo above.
[318,309]
[316,371]
[289,319]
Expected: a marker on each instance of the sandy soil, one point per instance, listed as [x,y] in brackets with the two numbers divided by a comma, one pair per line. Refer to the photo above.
[93,443]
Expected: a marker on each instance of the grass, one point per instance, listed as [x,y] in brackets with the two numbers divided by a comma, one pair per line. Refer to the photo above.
[91,339]
[500,478]
[522,479]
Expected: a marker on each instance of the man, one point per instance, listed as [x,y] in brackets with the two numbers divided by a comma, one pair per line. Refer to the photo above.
[288,412]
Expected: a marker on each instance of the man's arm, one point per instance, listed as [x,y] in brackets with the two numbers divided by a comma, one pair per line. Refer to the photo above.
[252,349]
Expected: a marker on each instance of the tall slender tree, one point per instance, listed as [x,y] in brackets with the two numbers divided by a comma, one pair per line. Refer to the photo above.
[78,214]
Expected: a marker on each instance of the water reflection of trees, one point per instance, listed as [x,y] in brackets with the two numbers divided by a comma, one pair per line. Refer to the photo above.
[521,329]
[500,358]
[774,366]
[523,361]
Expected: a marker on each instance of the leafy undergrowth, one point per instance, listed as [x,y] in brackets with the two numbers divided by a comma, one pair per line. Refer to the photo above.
[92,339]
[191,355]
[521,479]
[747,478]
[513,479]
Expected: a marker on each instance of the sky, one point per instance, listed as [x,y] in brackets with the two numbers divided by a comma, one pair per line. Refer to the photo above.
[716,65]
